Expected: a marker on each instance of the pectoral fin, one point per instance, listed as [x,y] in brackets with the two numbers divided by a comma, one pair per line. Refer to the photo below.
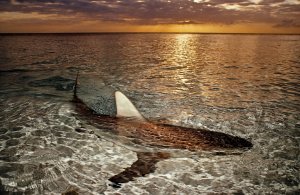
[144,165]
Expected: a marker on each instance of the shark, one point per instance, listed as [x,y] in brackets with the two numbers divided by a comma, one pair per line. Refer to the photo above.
[113,111]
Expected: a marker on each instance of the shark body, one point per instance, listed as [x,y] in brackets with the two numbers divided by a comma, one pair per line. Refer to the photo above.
[122,118]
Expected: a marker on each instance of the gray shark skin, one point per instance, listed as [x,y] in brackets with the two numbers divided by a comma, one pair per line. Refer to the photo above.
[146,133]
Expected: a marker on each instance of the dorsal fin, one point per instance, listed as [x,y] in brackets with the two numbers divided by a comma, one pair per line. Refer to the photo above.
[125,108]
[75,86]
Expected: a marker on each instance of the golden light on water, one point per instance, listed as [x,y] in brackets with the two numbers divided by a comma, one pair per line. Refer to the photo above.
[184,52]
[218,71]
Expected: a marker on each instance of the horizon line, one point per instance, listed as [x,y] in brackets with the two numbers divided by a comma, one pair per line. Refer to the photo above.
[238,33]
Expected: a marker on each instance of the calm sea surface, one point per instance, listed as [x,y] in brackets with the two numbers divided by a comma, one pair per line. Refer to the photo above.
[243,85]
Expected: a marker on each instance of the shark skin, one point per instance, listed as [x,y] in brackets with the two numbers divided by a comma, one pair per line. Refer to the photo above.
[128,122]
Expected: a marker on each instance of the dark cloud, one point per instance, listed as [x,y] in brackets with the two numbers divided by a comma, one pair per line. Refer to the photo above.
[162,11]
[288,23]
[269,2]
[227,1]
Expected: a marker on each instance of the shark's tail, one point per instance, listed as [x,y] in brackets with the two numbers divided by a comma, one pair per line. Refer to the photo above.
[75,86]
[144,165]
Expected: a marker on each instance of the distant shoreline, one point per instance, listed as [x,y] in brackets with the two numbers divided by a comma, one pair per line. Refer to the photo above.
[118,33]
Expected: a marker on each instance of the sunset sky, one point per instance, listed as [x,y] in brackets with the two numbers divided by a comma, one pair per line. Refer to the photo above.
[218,16]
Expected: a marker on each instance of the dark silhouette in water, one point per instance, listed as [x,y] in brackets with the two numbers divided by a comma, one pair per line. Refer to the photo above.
[127,121]
[143,166]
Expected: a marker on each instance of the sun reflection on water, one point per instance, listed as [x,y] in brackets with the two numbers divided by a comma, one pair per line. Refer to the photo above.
[184,54]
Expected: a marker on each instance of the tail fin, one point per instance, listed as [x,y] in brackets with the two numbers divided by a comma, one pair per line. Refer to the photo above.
[75,86]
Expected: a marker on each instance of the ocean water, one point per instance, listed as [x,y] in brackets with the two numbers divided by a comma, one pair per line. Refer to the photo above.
[242,85]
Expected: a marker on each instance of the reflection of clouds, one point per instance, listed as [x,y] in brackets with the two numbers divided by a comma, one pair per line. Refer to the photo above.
[163,11]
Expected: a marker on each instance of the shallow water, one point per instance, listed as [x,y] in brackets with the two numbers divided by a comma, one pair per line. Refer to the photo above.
[243,85]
